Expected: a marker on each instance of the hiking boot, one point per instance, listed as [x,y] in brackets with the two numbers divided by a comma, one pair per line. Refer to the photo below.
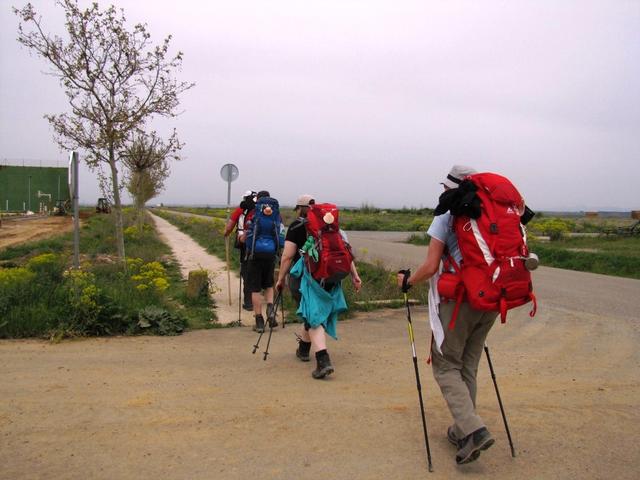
[247,306]
[471,445]
[324,366]
[302,352]
[271,316]
[259,326]
[452,437]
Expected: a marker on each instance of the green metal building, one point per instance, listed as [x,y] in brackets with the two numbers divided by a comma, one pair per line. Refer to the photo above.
[32,188]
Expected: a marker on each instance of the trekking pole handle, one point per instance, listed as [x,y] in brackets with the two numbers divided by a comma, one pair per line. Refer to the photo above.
[405,279]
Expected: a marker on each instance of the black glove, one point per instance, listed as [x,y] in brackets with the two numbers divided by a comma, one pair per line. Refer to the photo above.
[405,280]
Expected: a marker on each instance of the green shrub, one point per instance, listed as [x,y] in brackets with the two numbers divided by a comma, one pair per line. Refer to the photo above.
[555,228]
[159,321]
[15,287]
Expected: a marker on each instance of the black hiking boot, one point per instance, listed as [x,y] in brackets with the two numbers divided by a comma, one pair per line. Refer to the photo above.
[259,326]
[248,306]
[471,445]
[271,316]
[324,367]
[302,352]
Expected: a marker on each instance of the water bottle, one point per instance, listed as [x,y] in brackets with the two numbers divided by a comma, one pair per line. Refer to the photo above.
[531,262]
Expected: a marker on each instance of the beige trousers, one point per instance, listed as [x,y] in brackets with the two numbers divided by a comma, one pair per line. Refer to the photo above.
[456,368]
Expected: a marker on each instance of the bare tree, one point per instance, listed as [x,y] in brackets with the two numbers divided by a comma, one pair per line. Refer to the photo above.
[147,160]
[115,81]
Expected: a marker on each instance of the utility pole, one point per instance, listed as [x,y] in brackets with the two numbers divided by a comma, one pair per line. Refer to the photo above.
[73,189]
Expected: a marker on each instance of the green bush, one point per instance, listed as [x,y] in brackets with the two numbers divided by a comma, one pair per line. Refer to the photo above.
[555,228]
[159,321]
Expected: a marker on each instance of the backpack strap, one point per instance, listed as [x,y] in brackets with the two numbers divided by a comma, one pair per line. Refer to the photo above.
[534,308]
[456,310]
[459,291]
[255,235]
[503,309]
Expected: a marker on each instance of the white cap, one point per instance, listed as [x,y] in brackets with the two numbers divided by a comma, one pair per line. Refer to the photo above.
[456,175]
[304,200]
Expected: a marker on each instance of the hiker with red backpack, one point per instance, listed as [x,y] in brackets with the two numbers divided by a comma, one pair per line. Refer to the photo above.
[321,259]
[264,239]
[237,222]
[476,269]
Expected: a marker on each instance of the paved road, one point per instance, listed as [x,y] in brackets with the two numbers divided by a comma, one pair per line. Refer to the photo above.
[579,292]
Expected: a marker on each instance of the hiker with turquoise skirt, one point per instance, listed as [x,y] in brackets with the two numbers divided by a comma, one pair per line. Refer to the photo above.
[321,258]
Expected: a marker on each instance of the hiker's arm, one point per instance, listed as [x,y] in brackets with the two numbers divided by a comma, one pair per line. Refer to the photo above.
[229,227]
[430,265]
[288,253]
[355,278]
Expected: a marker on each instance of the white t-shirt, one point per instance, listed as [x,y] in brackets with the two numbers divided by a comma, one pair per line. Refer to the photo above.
[442,229]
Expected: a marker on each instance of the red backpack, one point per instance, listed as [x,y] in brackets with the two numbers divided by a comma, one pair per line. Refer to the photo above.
[492,275]
[334,254]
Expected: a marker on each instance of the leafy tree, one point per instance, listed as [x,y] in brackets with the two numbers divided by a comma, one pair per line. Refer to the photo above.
[115,80]
[147,160]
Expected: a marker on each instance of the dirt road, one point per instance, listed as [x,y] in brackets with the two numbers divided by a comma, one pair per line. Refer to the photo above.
[192,256]
[201,406]
[27,229]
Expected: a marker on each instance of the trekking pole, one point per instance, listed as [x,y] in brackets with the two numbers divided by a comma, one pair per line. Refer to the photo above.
[415,366]
[272,314]
[282,309]
[226,247]
[495,384]
[255,347]
[240,299]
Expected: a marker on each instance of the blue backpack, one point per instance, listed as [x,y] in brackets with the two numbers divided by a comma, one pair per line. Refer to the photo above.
[265,237]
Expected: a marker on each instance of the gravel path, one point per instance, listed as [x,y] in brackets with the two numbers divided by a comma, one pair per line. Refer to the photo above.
[191,256]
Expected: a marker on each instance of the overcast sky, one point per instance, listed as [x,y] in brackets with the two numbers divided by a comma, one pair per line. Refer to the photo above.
[372,101]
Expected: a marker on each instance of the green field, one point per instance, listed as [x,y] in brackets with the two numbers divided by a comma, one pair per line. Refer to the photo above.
[364,219]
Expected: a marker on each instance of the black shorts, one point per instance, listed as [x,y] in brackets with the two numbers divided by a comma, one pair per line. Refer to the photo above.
[260,273]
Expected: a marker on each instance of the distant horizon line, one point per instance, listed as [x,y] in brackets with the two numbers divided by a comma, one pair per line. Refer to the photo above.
[610,210]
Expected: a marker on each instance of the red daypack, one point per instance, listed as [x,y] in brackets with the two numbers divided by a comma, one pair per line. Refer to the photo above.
[334,254]
[492,273]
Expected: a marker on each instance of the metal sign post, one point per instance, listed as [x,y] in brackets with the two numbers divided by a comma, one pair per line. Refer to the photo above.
[229,172]
[73,190]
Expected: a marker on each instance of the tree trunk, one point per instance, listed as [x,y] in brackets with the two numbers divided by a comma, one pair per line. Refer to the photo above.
[117,207]
[139,204]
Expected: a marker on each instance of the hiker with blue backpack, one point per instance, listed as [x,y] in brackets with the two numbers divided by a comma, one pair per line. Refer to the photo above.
[263,242]
[321,259]
[476,265]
